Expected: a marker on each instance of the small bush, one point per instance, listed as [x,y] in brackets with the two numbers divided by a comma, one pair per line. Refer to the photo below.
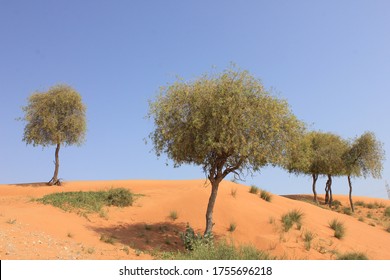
[254,189]
[361,219]
[192,240]
[338,227]
[388,229]
[233,192]
[307,238]
[119,197]
[291,218]
[369,215]
[220,251]
[353,256]
[360,203]
[108,239]
[347,211]
[267,196]
[173,215]
[232,227]
[336,204]
[387,212]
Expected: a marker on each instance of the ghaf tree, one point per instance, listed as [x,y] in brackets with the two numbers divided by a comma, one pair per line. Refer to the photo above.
[226,123]
[55,117]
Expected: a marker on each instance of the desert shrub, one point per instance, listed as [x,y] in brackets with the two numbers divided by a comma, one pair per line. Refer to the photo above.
[233,192]
[388,229]
[387,212]
[307,238]
[338,227]
[361,219]
[119,197]
[88,201]
[360,203]
[254,189]
[173,215]
[108,239]
[347,211]
[336,204]
[353,256]
[232,227]
[291,218]
[220,251]
[267,196]
[192,240]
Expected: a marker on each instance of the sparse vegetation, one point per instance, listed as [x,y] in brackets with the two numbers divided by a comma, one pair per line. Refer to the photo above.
[192,240]
[386,213]
[307,238]
[232,227]
[336,204]
[360,203]
[267,196]
[347,211]
[108,239]
[291,218]
[11,221]
[147,227]
[233,192]
[353,256]
[254,189]
[271,220]
[173,215]
[70,235]
[89,201]
[338,227]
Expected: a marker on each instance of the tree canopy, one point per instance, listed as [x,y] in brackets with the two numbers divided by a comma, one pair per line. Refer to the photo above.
[225,123]
[55,117]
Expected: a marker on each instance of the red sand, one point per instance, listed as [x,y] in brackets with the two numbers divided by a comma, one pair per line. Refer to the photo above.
[30,230]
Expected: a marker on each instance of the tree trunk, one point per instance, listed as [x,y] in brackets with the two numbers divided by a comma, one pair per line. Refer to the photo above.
[54,180]
[315,177]
[327,192]
[350,193]
[210,206]
[330,190]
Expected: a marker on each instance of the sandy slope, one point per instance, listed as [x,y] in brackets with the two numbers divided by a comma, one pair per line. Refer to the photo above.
[29,230]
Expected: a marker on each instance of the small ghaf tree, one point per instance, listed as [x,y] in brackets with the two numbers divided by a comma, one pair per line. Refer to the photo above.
[226,123]
[364,157]
[55,117]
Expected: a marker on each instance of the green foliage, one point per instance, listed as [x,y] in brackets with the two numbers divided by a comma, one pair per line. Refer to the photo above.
[307,238]
[291,218]
[338,227]
[192,240]
[220,251]
[89,201]
[267,196]
[232,227]
[254,189]
[365,156]
[360,203]
[336,204]
[173,215]
[226,119]
[108,239]
[54,117]
[353,256]
[347,211]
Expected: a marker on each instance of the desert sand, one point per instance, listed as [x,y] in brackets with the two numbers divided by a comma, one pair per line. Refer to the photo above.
[31,230]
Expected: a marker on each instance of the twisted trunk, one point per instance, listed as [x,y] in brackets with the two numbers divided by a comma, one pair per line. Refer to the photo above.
[315,177]
[55,180]
[210,206]
[350,193]
[328,191]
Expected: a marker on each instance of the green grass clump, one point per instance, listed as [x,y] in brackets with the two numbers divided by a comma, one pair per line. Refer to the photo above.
[307,238]
[336,204]
[338,227]
[347,211]
[360,203]
[219,251]
[89,201]
[353,256]
[267,196]
[108,239]
[254,189]
[173,215]
[387,212]
[291,218]
[232,227]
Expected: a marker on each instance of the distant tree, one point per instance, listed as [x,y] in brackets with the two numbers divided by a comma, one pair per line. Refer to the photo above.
[363,158]
[304,159]
[226,123]
[333,146]
[55,117]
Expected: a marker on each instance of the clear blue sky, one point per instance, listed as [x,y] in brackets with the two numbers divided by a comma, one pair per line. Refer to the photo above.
[329,59]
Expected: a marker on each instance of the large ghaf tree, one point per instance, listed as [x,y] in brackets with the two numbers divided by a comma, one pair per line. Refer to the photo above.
[226,123]
[364,157]
[55,117]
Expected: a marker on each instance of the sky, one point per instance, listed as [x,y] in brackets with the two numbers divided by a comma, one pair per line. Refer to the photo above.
[329,59]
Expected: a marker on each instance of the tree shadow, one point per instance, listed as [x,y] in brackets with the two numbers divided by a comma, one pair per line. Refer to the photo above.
[37,184]
[163,236]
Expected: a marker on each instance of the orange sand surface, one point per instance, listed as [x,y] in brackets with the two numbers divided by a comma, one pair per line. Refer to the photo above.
[31,230]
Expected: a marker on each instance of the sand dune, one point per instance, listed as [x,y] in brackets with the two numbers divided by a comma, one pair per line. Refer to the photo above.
[30,230]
